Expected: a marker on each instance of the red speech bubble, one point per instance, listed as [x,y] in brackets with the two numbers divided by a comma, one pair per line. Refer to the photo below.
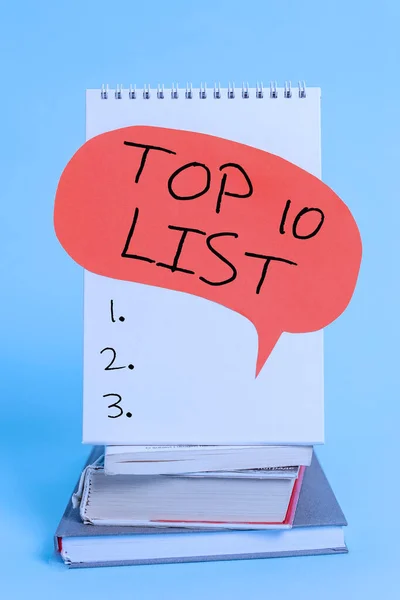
[214,218]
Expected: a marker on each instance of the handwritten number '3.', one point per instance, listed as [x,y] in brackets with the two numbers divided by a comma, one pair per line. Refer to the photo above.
[115,405]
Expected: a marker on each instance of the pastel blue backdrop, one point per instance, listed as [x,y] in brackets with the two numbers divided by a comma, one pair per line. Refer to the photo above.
[51,52]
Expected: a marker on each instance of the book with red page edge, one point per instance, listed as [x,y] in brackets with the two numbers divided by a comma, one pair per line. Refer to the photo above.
[287,522]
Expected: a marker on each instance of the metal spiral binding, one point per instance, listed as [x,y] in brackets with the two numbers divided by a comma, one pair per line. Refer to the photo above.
[104,92]
[272,90]
[132,92]
[189,91]
[288,90]
[146,92]
[160,91]
[259,90]
[203,93]
[302,89]
[174,91]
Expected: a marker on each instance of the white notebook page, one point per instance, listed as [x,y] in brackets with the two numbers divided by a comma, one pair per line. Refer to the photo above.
[193,378]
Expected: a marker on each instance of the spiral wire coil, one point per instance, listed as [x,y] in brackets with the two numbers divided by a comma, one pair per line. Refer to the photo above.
[217,91]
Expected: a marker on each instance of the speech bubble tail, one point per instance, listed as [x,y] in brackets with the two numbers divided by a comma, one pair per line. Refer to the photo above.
[266,343]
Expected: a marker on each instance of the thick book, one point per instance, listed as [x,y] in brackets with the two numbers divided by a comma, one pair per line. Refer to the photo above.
[221,500]
[157,460]
[317,529]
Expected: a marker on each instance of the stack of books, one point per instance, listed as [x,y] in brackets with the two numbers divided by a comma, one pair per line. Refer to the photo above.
[150,504]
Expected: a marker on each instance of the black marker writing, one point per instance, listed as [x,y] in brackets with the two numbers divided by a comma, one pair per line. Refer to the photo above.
[124,252]
[267,262]
[191,165]
[297,220]
[145,154]
[112,311]
[115,405]
[174,267]
[221,257]
[224,192]
[109,367]
[283,220]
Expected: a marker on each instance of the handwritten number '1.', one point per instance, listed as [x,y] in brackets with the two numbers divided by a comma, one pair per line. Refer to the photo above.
[115,405]
[112,311]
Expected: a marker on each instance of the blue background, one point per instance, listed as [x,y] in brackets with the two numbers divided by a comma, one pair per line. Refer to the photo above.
[51,52]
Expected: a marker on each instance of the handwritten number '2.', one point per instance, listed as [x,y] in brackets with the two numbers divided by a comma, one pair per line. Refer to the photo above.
[109,367]
[115,405]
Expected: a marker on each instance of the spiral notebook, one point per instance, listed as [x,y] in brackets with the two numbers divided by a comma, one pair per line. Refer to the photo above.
[162,366]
